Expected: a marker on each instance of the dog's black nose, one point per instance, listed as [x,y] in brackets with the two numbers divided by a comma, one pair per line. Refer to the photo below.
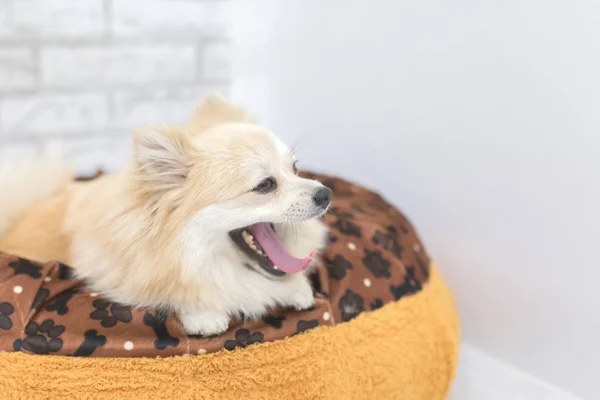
[322,197]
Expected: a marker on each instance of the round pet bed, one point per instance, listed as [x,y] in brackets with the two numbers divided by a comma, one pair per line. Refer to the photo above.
[384,326]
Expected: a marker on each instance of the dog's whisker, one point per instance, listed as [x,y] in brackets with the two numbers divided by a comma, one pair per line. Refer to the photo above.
[294,145]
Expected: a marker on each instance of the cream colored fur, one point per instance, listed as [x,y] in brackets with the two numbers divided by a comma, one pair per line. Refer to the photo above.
[28,181]
[156,233]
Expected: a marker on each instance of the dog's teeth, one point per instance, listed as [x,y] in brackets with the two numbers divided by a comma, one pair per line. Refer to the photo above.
[248,238]
[275,267]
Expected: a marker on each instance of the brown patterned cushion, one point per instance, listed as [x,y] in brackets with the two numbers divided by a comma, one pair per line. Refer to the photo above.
[374,257]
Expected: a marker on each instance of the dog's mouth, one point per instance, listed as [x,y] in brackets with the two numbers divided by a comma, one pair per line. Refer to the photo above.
[262,245]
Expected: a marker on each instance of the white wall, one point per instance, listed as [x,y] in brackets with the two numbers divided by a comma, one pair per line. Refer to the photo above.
[481,120]
[86,73]
[482,377]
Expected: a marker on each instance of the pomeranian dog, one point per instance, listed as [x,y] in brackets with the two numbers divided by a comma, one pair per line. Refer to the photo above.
[209,220]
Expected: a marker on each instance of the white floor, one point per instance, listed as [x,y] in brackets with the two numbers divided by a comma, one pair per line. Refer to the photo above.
[481,377]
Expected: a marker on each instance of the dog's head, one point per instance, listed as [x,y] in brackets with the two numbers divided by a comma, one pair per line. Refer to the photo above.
[223,177]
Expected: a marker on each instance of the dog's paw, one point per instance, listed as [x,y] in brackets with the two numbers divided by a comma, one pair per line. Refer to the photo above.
[302,298]
[205,324]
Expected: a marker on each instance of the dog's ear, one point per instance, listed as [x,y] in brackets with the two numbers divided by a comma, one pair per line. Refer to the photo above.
[161,156]
[214,110]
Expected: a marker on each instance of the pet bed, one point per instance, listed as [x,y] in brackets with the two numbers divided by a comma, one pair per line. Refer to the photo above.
[383,327]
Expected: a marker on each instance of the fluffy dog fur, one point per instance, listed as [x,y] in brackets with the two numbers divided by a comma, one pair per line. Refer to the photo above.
[156,233]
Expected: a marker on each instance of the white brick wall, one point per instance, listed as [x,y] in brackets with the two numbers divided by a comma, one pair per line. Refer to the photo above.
[174,18]
[55,19]
[109,66]
[17,68]
[85,73]
[45,114]
[155,105]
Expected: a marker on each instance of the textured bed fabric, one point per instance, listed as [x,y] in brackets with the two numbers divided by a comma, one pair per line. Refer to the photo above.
[383,326]
[405,350]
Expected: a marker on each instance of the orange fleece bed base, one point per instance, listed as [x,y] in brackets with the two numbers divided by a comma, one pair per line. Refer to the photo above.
[384,326]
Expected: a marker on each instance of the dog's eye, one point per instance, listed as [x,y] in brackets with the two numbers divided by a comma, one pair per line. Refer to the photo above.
[266,186]
[295,167]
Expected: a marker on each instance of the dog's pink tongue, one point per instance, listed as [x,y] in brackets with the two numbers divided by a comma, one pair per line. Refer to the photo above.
[270,243]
